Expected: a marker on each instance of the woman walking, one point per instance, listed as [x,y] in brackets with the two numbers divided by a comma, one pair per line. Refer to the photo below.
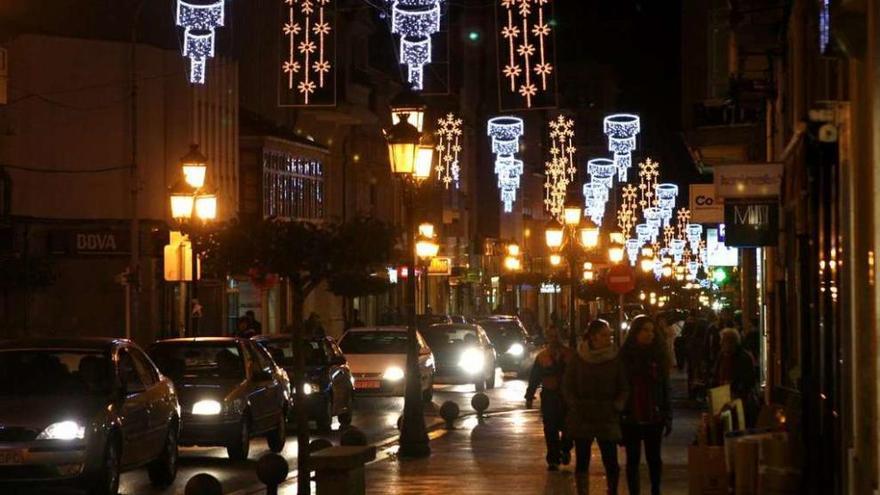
[595,391]
[647,415]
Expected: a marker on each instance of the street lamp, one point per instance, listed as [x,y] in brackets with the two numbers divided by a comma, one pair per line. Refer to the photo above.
[193,205]
[574,234]
[411,160]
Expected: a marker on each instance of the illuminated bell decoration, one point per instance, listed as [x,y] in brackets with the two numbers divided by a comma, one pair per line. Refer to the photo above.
[694,233]
[621,130]
[505,133]
[199,22]
[415,21]
[658,268]
[602,171]
[632,250]
[676,247]
[644,233]
[654,221]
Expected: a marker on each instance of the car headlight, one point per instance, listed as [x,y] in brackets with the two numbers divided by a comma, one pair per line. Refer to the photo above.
[393,374]
[516,349]
[63,430]
[623,325]
[207,408]
[311,388]
[472,361]
[429,363]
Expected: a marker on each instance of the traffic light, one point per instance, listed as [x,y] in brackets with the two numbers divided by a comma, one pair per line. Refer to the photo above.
[719,276]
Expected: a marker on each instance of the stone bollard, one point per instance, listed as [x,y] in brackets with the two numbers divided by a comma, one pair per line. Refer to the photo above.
[340,470]
[353,437]
[203,484]
[272,470]
[480,402]
[449,411]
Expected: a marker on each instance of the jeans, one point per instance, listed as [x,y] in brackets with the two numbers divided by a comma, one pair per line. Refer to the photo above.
[609,460]
[553,414]
[633,437]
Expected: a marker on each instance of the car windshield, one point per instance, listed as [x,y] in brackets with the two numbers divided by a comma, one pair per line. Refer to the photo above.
[439,336]
[283,355]
[199,360]
[379,342]
[504,331]
[424,321]
[54,372]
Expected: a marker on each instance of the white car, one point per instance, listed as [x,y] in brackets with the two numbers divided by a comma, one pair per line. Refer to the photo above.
[377,358]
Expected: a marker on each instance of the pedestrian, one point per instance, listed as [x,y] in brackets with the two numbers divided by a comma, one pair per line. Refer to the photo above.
[242,327]
[736,367]
[666,331]
[647,416]
[254,325]
[595,391]
[697,348]
[313,327]
[547,371]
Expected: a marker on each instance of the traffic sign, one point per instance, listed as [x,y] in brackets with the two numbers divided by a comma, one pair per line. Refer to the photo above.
[621,279]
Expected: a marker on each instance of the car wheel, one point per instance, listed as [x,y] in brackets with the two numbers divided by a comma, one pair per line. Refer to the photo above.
[277,437]
[239,449]
[324,422]
[163,469]
[107,481]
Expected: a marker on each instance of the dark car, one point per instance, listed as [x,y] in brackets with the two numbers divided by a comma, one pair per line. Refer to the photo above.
[462,354]
[230,391]
[514,347]
[425,321]
[329,388]
[80,411]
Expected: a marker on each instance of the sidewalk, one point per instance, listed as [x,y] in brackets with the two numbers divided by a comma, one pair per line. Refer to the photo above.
[505,454]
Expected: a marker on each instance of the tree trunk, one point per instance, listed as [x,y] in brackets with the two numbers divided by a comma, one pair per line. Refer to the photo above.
[299,409]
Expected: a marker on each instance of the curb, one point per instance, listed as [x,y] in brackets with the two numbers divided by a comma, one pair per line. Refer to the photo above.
[382,445]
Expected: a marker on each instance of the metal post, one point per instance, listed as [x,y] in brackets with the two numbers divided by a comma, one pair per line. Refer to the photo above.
[194,296]
[132,288]
[413,434]
[572,314]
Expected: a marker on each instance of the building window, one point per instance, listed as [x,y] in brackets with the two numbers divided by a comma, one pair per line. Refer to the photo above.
[293,187]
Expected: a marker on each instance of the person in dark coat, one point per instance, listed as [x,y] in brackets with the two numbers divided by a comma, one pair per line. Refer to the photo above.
[595,391]
[547,372]
[736,367]
[697,350]
[647,416]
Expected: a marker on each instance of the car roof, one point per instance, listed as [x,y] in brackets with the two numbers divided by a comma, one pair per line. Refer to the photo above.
[286,337]
[463,326]
[85,343]
[390,328]
[202,340]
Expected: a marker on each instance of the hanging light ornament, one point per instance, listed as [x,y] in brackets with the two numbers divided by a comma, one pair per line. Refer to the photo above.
[448,149]
[560,170]
[506,133]
[632,250]
[595,199]
[525,47]
[666,196]
[694,233]
[626,214]
[199,22]
[415,21]
[309,47]
[622,130]
[602,170]
[649,171]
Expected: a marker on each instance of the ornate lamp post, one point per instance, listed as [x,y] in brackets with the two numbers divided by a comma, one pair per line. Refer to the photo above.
[569,239]
[426,250]
[193,206]
[410,160]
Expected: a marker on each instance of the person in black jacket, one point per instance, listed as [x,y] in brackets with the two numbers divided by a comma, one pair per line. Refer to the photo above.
[736,367]
[548,370]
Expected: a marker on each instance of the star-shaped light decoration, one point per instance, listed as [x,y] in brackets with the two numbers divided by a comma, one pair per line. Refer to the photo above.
[560,169]
[525,40]
[448,149]
[308,47]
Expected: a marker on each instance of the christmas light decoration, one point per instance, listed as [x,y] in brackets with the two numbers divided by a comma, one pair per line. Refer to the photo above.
[595,199]
[560,170]
[694,232]
[505,133]
[526,50]
[448,149]
[621,130]
[649,171]
[602,170]
[198,23]
[666,196]
[415,21]
[626,214]
[632,250]
[309,48]
[643,233]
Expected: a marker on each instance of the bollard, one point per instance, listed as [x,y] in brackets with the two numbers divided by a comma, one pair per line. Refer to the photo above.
[480,402]
[203,484]
[319,444]
[353,437]
[272,470]
[340,470]
[449,411]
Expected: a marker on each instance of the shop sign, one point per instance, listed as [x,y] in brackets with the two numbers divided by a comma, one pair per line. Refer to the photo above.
[751,223]
[753,180]
[96,242]
[550,288]
[441,266]
[706,207]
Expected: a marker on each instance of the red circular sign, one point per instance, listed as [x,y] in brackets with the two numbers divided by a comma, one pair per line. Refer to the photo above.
[621,279]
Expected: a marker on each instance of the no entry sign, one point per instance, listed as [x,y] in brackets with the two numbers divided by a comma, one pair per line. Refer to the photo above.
[621,279]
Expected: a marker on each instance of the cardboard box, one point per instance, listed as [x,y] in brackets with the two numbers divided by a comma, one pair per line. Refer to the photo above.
[776,481]
[707,471]
[745,480]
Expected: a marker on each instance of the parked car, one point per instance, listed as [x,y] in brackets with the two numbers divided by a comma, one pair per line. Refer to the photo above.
[329,385]
[230,391]
[377,358]
[81,411]
[463,354]
[425,321]
[515,349]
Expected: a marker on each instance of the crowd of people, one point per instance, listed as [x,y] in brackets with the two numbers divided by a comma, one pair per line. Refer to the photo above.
[621,396]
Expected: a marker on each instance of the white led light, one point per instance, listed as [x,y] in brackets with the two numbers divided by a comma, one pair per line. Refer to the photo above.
[448,149]
[602,171]
[199,23]
[621,130]
[63,430]
[505,133]
[415,22]
[632,250]
[560,169]
[472,361]
[516,350]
